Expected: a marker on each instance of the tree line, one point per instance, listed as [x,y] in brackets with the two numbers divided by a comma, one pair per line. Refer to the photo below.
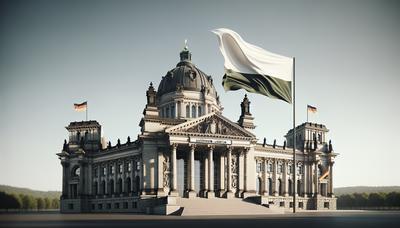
[372,200]
[27,202]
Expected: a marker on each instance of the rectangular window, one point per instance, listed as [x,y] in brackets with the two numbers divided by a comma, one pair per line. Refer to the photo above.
[93,206]
[291,204]
[138,165]
[326,204]
[71,206]
[270,168]
[121,168]
[129,166]
[95,172]
[301,204]
[258,167]
[134,204]
[100,206]
[104,171]
[280,167]
[281,204]
[116,205]
[108,205]
[125,205]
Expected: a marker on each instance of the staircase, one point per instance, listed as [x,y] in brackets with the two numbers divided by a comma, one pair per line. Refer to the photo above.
[221,206]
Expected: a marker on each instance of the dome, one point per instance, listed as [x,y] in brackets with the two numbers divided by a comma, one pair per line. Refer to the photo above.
[186,76]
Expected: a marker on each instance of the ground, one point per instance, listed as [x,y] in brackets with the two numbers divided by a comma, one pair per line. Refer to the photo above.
[340,219]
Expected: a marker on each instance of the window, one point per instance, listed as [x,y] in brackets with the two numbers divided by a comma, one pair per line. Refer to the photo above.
[326,204]
[291,204]
[193,111]
[281,204]
[280,168]
[95,172]
[138,165]
[301,204]
[129,165]
[100,206]
[167,112]
[259,167]
[173,111]
[116,205]
[134,204]
[187,111]
[104,171]
[290,169]
[77,172]
[108,205]
[300,169]
[270,168]
[71,206]
[319,138]
[199,111]
[111,169]
[93,206]
[125,205]
[120,168]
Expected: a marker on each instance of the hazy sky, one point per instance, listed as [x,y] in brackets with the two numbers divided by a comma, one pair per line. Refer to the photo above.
[56,53]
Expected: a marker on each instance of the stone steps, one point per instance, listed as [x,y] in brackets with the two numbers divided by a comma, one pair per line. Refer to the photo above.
[221,206]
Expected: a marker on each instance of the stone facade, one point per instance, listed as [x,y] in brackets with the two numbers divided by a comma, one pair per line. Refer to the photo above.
[187,148]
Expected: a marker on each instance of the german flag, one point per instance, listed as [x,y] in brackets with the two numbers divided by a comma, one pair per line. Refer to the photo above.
[311,109]
[80,107]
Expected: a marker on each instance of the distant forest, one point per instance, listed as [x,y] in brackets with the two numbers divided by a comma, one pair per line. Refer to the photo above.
[27,199]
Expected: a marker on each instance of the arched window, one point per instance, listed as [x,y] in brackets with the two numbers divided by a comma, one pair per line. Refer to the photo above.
[173,111]
[103,187]
[76,172]
[280,187]
[193,111]
[167,112]
[187,111]
[270,191]
[280,168]
[258,185]
[290,183]
[270,167]
[119,185]
[111,186]
[199,111]
[290,169]
[299,187]
[128,185]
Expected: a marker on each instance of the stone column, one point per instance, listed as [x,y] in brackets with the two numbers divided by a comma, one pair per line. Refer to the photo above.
[275,179]
[191,192]
[210,193]
[241,173]
[285,179]
[221,174]
[160,173]
[265,192]
[65,166]
[316,190]
[174,187]
[229,193]
[331,179]
[305,181]
[205,179]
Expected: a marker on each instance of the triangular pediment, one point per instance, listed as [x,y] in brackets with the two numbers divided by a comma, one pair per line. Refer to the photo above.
[211,124]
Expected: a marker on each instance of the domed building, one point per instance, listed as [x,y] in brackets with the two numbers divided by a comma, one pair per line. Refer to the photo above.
[188,150]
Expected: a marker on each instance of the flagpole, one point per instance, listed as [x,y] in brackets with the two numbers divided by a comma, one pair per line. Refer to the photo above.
[294,136]
[307,113]
[87,107]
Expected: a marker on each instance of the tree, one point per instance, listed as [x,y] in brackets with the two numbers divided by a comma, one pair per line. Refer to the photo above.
[47,203]
[360,199]
[55,203]
[346,201]
[40,205]
[8,201]
[393,199]
[25,202]
[376,200]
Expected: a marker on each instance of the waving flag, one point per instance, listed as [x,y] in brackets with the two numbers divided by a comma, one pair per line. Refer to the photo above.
[254,69]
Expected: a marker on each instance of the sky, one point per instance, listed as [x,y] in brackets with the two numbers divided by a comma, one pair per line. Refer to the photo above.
[56,53]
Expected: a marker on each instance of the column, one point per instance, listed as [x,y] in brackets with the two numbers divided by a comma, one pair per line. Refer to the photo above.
[174,188]
[160,173]
[265,193]
[221,174]
[210,193]
[316,190]
[241,174]
[205,162]
[285,179]
[305,181]
[331,179]
[229,193]
[275,179]
[191,192]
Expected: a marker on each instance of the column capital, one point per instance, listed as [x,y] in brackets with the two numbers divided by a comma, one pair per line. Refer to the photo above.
[211,147]
[174,146]
[192,146]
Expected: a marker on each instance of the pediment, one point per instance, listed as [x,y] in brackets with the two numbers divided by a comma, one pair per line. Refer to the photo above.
[211,124]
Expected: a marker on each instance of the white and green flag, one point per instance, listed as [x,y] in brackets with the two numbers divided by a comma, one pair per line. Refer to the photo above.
[254,69]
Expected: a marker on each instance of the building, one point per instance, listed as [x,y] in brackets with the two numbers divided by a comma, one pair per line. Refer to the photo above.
[187,148]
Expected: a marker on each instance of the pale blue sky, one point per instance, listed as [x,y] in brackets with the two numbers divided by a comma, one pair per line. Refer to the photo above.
[56,53]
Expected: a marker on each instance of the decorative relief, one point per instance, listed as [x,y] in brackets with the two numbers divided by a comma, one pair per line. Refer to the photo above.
[166,171]
[214,126]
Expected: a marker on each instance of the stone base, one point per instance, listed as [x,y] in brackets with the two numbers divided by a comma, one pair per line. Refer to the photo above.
[248,194]
[191,194]
[174,193]
[210,194]
[229,195]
